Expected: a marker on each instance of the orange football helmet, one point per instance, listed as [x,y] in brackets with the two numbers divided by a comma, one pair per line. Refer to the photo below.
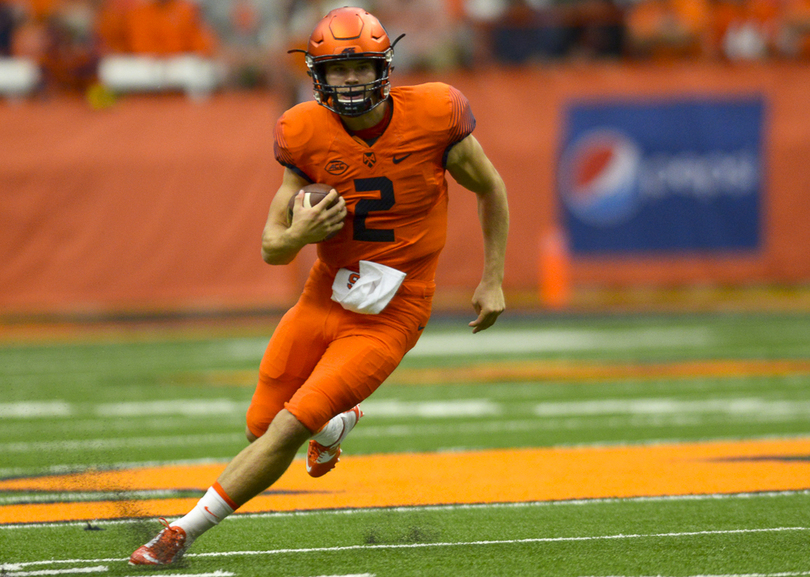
[350,33]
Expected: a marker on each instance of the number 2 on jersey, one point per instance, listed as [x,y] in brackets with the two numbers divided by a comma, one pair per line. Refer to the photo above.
[366,205]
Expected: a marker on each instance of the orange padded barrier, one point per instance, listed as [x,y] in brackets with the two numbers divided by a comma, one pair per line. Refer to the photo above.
[160,202]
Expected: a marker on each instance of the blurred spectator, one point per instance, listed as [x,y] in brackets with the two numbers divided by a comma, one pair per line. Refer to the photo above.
[434,39]
[251,36]
[57,37]
[669,29]
[794,33]
[745,29]
[168,27]
[133,41]
[523,31]
[157,46]
[528,31]
[597,28]
[70,54]
[8,21]
[30,37]
[111,25]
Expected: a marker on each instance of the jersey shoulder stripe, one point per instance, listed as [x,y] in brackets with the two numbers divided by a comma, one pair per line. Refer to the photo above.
[462,121]
[437,108]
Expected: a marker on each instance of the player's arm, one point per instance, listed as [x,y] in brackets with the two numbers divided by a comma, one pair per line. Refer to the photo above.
[281,243]
[471,168]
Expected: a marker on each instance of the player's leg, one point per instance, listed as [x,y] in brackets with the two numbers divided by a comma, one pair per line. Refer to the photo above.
[291,354]
[350,370]
[255,468]
[261,463]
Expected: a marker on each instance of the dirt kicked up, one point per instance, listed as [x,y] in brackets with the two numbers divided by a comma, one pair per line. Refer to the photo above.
[491,476]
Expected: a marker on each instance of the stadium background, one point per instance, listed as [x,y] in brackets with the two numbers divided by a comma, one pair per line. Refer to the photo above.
[153,200]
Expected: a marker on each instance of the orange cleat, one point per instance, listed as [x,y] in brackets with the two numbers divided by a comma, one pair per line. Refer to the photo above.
[320,459]
[166,548]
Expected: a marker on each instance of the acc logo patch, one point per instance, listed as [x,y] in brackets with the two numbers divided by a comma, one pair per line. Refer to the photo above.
[336,167]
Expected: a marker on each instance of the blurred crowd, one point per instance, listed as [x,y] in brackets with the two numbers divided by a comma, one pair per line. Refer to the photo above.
[246,40]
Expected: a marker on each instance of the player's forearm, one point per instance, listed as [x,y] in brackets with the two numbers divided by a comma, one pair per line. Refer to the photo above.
[279,246]
[493,212]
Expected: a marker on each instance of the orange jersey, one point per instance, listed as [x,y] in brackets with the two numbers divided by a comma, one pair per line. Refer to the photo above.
[395,190]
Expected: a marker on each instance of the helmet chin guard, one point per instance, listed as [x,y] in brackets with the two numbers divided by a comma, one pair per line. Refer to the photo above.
[350,34]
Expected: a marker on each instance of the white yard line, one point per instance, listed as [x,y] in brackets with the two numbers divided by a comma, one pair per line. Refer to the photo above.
[780,574]
[217,573]
[565,416]
[484,543]
[550,340]
[72,571]
[129,442]
[520,341]
[352,575]
[452,507]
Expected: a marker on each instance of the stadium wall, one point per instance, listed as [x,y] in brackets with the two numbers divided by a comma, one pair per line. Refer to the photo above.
[159,203]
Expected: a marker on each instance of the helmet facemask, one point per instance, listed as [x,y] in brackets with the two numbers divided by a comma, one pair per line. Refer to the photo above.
[351,99]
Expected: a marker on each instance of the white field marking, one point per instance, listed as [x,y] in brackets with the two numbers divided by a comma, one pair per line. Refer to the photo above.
[564,424]
[535,341]
[67,469]
[194,408]
[15,573]
[309,550]
[780,574]
[639,412]
[397,431]
[188,407]
[352,575]
[107,444]
[433,409]
[35,409]
[492,542]
[439,508]
[519,341]
[665,406]
[424,410]
[217,573]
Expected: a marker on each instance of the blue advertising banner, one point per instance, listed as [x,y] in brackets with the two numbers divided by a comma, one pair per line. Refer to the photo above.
[662,176]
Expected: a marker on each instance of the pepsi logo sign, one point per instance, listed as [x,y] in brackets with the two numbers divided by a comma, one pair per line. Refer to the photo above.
[598,177]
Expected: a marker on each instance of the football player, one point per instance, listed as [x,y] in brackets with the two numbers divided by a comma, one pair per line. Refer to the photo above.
[384,152]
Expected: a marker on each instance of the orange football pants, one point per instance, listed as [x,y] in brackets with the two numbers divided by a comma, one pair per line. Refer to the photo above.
[323,360]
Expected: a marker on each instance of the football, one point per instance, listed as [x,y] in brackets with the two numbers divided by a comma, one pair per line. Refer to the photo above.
[313,194]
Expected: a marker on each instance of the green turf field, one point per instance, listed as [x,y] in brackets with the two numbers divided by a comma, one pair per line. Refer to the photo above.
[162,397]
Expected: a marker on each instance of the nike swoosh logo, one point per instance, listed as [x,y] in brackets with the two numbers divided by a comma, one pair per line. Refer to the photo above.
[207,510]
[420,328]
[401,158]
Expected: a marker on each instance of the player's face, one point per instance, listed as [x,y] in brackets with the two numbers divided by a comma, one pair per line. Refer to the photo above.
[348,73]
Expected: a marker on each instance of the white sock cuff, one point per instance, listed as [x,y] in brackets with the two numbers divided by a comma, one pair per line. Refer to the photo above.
[213,504]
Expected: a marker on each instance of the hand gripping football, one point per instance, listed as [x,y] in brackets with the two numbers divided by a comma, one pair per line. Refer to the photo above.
[313,194]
